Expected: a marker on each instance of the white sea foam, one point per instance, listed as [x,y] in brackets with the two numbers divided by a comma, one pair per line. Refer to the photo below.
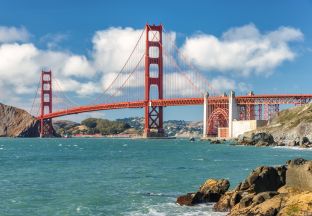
[198,159]
[293,148]
[83,210]
[173,209]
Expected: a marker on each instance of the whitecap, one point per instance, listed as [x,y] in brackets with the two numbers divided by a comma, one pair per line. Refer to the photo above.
[173,209]
[292,148]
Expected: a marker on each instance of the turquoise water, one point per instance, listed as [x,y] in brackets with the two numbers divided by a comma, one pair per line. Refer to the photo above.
[119,176]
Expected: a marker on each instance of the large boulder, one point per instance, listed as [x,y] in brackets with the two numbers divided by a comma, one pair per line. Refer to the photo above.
[210,191]
[258,139]
[15,122]
[263,139]
[263,180]
[299,174]
[186,199]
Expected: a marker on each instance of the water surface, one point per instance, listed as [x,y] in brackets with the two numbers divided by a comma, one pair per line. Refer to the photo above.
[119,176]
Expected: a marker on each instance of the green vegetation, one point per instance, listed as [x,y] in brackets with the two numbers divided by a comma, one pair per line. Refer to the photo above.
[104,126]
[90,126]
[293,210]
[292,117]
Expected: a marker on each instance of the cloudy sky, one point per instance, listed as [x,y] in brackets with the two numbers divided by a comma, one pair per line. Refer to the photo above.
[262,46]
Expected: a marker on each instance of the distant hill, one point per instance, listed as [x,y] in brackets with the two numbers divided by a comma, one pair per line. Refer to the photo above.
[179,128]
[132,126]
[15,122]
[90,126]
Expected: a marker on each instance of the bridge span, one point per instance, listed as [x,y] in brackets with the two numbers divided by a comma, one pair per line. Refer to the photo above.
[177,82]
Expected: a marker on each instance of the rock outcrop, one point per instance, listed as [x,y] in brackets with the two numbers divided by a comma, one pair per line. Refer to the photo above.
[267,191]
[261,184]
[256,139]
[210,191]
[15,122]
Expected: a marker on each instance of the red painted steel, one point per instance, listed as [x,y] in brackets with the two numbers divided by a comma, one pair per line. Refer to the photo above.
[218,118]
[153,114]
[46,128]
[275,99]
[212,100]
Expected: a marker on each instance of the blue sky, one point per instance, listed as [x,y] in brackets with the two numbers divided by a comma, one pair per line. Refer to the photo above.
[68,27]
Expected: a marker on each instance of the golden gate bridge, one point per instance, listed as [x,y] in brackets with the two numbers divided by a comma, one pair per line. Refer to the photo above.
[157,75]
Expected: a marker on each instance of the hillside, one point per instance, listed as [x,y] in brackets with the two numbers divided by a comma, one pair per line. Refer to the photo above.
[132,126]
[178,128]
[290,126]
[15,122]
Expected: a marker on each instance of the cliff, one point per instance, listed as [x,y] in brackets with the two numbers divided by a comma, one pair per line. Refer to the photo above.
[15,122]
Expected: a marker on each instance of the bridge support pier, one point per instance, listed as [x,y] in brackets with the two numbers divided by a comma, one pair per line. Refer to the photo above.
[206,116]
[46,128]
[153,114]
[233,112]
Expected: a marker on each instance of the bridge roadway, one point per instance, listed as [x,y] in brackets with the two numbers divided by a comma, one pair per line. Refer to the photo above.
[241,100]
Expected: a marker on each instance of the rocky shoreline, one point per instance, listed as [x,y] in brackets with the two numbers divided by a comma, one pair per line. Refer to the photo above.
[266,139]
[267,191]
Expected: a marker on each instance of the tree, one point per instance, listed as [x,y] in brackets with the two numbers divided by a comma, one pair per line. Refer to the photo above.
[90,122]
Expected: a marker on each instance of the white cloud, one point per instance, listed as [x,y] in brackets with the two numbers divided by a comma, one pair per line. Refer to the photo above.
[243,50]
[89,88]
[78,66]
[13,34]
[21,64]
[223,84]
[113,46]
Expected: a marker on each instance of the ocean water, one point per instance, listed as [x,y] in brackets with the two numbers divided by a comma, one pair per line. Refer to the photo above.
[119,176]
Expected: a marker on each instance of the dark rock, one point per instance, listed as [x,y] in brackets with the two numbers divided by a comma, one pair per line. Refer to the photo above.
[261,184]
[227,201]
[266,179]
[258,139]
[304,141]
[263,139]
[246,200]
[210,191]
[186,199]
[261,197]
[215,142]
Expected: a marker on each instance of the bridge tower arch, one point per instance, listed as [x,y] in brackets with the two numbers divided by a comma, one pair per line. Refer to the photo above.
[153,114]
[218,118]
[46,128]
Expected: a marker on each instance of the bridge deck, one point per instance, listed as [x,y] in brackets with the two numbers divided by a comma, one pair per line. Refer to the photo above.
[241,100]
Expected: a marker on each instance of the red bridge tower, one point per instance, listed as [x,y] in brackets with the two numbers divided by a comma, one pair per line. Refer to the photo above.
[46,128]
[153,114]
